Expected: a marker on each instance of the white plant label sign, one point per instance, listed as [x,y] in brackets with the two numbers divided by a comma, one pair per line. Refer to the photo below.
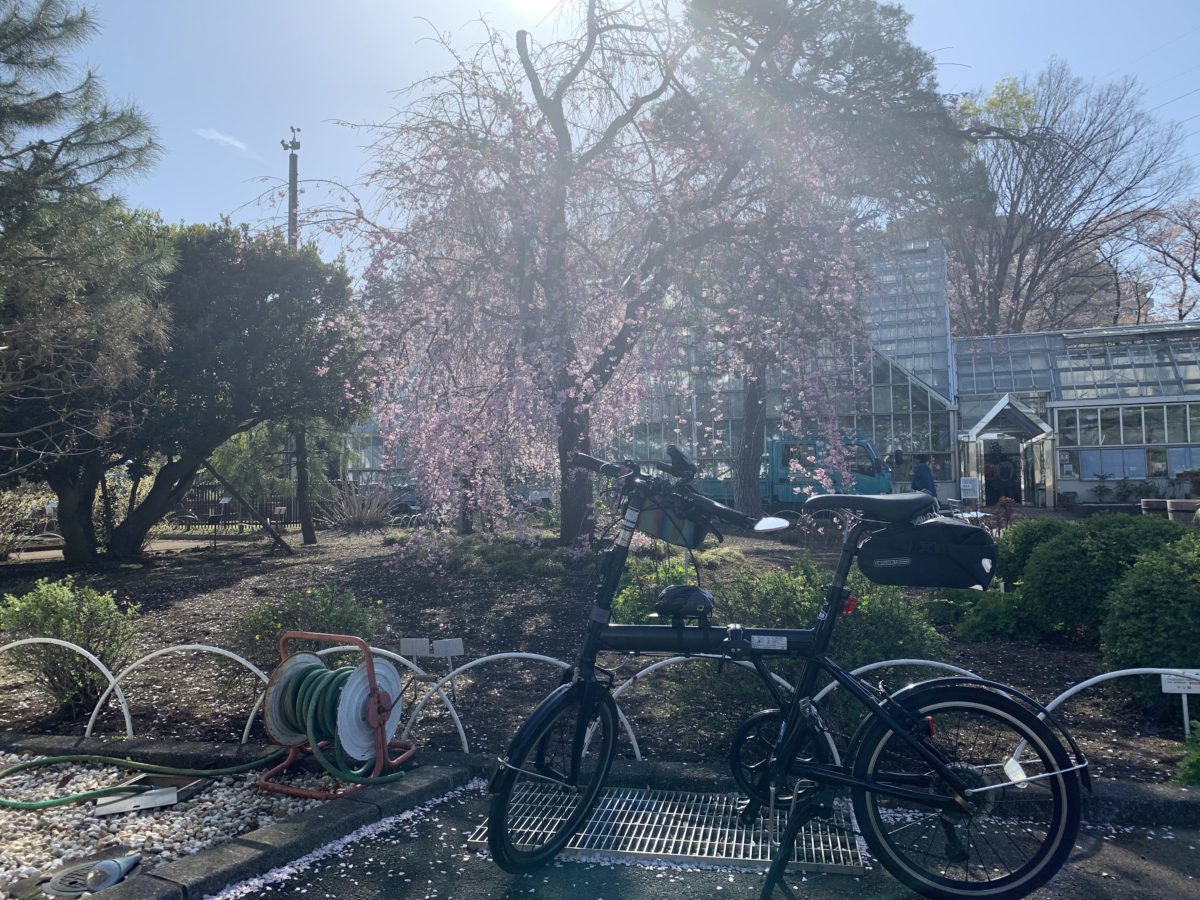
[1188,683]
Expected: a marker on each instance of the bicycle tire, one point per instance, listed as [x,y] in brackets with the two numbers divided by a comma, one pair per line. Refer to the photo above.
[532,813]
[1013,839]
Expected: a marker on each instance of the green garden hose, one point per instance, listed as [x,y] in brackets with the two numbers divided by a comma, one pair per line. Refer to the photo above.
[123,764]
[309,705]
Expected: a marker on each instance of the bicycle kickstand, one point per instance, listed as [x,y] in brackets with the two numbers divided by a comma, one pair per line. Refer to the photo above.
[800,814]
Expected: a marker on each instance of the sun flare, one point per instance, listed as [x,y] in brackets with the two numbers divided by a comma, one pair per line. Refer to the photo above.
[531,8]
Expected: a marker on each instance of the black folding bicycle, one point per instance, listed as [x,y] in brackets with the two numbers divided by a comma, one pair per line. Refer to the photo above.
[961,787]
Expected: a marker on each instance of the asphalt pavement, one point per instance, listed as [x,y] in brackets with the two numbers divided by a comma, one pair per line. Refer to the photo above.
[409,840]
[427,856]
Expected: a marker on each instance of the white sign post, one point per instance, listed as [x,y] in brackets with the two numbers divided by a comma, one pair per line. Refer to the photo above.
[968,487]
[1187,683]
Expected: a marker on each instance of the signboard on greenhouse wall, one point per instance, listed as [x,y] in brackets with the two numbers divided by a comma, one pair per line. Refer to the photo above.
[968,487]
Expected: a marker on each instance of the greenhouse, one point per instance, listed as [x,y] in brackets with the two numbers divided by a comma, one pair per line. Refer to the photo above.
[1043,418]
[1114,408]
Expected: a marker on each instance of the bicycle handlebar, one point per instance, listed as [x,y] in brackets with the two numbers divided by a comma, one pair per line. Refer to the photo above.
[599,466]
[717,510]
[696,501]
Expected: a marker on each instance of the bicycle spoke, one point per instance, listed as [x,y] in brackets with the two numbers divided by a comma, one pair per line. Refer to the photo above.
[1006,835]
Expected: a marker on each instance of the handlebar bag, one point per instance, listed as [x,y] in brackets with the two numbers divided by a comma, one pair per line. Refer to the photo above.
[939,552]
[669,524]
[686,600]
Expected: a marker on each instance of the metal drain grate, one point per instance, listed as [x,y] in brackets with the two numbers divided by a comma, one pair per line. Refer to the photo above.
[648,825]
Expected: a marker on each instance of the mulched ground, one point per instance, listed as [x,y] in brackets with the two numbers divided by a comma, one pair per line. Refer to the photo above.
[194,597]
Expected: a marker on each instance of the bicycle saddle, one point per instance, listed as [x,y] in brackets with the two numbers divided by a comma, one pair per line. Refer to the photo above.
[890,508]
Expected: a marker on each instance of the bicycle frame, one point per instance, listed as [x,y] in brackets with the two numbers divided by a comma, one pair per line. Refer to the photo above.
[801,765]
[810,646]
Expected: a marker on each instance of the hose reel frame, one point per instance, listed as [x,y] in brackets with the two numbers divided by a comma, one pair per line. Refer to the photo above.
[368,715]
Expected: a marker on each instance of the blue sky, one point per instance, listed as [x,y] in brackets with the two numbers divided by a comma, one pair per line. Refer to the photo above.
[222,80]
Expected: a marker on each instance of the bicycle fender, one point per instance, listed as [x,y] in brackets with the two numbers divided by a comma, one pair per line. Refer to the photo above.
[544,711]
[976,681]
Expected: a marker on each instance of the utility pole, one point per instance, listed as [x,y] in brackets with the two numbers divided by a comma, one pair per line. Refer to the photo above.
[308,530]
[293,199]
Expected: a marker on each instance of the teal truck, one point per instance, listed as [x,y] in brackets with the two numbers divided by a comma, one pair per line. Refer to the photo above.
[778,486]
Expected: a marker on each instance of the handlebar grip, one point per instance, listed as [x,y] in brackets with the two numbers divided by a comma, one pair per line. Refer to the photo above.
[594,464]
[721,511]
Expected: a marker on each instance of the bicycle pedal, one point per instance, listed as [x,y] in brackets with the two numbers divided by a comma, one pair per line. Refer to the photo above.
[747,811]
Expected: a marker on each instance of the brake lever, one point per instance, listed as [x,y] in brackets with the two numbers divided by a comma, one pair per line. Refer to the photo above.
[682,466]
[684,477]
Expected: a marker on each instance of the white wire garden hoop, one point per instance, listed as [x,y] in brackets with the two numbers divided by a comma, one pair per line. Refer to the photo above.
[112,682]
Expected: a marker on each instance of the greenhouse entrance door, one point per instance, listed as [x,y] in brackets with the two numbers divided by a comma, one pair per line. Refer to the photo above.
[1011,450]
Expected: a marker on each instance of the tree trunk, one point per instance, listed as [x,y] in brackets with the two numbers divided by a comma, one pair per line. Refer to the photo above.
[170,485]
[747,464]
[465,523]
[575,495]
[108,513]
[133,492]
[308,530]
[74,482]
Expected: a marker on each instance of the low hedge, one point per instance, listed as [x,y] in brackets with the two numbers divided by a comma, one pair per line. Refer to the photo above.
[1067,578]
[1153,616]
[1019,541]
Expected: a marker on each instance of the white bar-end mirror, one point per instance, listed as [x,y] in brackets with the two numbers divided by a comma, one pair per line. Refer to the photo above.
[767,524]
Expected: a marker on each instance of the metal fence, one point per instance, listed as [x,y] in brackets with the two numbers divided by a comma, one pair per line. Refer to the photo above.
[211,506]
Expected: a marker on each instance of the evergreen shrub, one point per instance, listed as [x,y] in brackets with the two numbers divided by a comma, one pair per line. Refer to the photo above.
[1021,539]
[1189,767]
[1153,616]
[81,616]
[328,608]
[644,579]
[1067,578]
[651,568]
[996,617]
[884,626]
[948,606]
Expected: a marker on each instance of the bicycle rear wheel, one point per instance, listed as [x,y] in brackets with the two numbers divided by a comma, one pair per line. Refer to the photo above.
[1013,837]
[551,777]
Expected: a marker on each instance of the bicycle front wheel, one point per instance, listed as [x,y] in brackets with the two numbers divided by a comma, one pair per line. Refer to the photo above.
[1023,811]
[551,777]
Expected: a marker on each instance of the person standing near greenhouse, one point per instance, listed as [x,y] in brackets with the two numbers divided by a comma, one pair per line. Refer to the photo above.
[922,476]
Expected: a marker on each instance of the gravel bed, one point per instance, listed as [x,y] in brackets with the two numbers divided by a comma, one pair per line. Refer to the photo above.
[40,841]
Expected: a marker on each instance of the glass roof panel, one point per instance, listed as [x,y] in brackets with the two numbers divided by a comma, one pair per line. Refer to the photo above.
[1094,364]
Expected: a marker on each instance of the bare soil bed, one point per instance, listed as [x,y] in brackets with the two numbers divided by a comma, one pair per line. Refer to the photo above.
[195,597]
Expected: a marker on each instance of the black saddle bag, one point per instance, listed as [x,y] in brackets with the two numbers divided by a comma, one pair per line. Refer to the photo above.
[941,552]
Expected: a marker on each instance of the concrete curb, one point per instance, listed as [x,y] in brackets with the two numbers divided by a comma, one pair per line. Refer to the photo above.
[251,854]
[259,851]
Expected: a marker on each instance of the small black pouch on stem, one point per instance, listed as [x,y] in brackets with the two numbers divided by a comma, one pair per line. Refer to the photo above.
[684,601]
